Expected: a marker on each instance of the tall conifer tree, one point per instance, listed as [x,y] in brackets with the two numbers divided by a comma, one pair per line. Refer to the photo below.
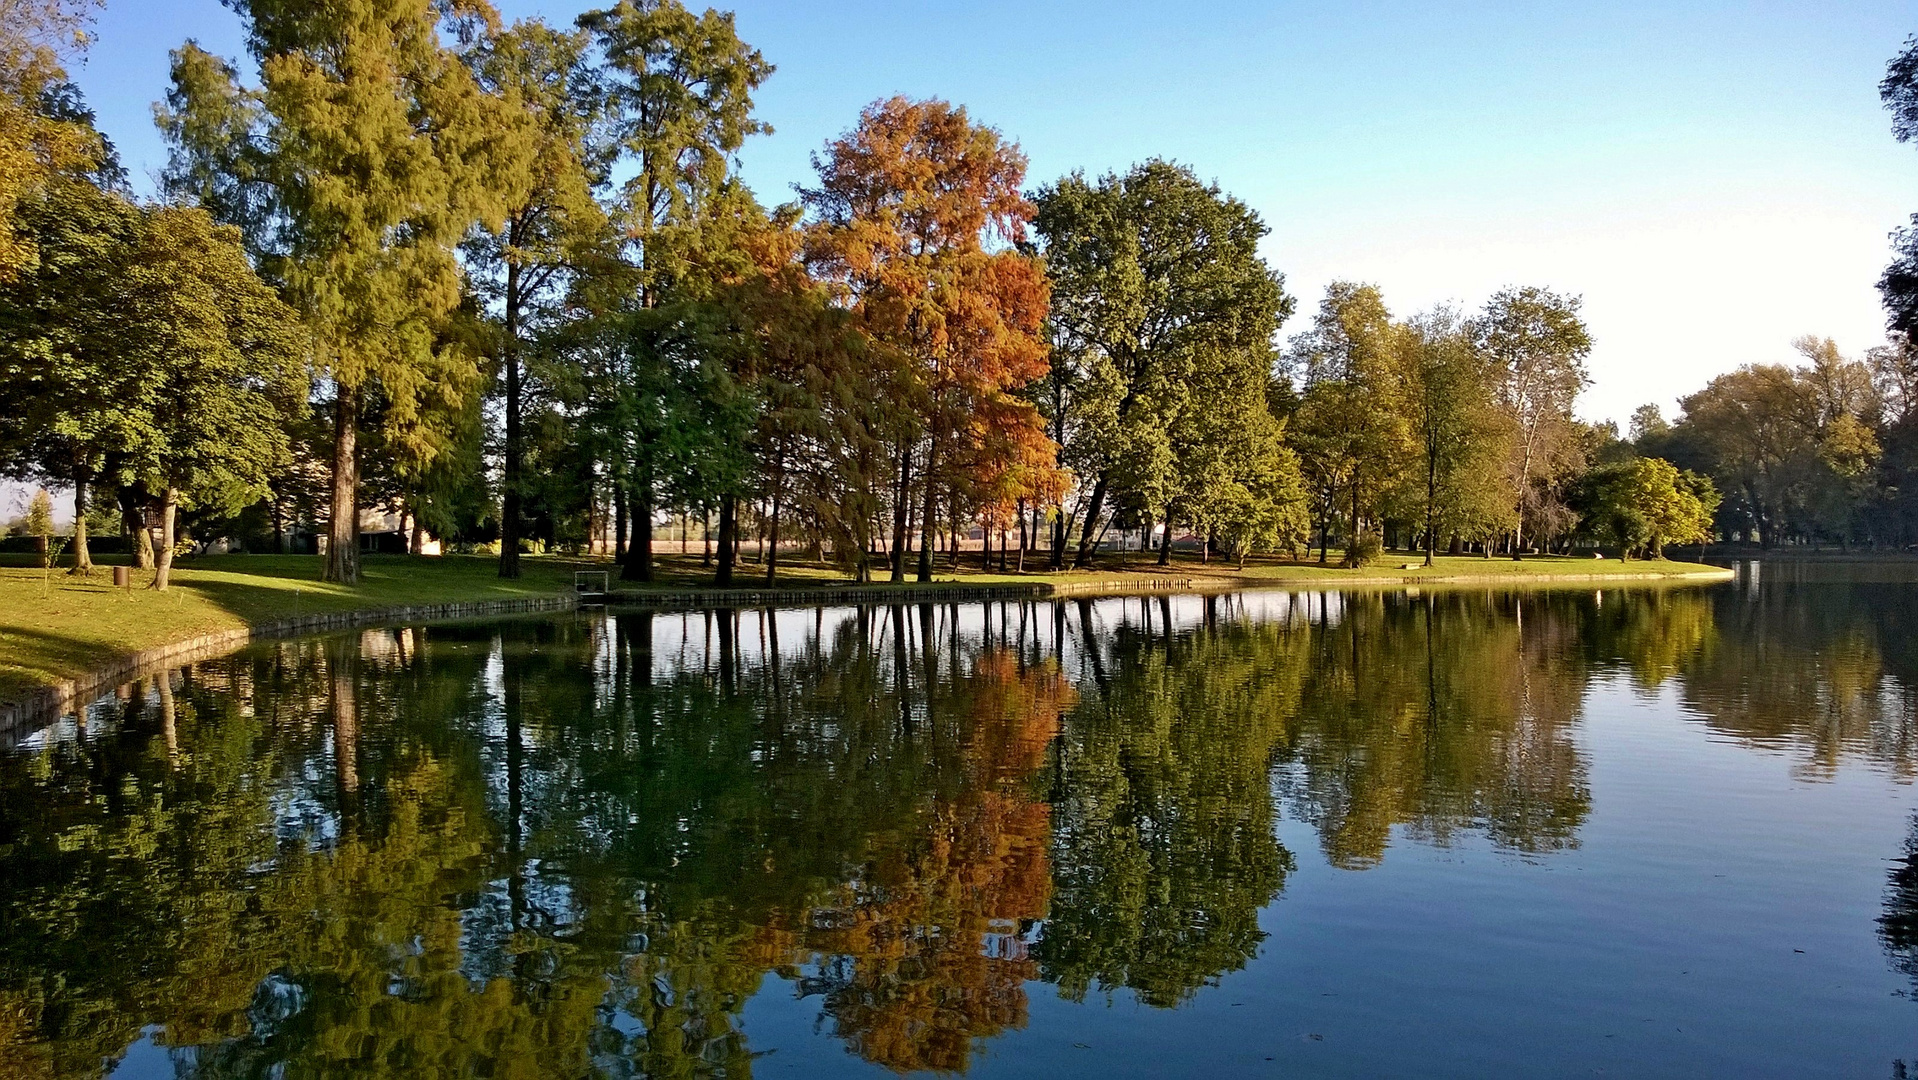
[357,165]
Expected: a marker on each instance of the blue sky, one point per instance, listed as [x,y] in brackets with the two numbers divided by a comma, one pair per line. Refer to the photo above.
[1713,179]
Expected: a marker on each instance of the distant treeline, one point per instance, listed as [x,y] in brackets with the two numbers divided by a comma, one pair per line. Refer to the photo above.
[503,281]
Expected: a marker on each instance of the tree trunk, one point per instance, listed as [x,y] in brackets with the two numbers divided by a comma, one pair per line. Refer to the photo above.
[1060,525]
[728,510]
[1325,525]
[772,540]
[1431,500]
[900,510]
[509,514]
[639,554]
[82,558]
[133,521]
[1358,525]
[619,522]
[1165,542]
[1022,536]
[927,516]
[343,525]
[1089,537]
[163,564]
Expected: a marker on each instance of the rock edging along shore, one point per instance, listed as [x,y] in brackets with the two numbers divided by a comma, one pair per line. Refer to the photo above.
[47,702]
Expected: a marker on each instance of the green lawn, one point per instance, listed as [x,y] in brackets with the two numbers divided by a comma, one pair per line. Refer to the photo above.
[59,626]
[51,629]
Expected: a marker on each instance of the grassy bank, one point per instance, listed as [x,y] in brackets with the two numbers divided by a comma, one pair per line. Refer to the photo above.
[56,626]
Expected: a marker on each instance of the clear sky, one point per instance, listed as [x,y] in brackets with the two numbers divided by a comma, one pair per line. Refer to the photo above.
[1713,179]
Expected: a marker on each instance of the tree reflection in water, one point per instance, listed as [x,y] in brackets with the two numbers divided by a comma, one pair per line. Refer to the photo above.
[580,846]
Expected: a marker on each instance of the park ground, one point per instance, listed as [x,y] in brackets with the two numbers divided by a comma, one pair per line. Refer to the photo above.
[55,626]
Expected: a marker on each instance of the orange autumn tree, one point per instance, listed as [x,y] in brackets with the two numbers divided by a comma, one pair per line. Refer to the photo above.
[914,223]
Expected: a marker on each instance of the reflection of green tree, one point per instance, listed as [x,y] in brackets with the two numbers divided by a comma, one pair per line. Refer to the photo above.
[1654,633]
[1163,849]
[1439,713]
[1825,669]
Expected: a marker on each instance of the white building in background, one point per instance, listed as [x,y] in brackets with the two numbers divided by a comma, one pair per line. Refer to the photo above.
[385,533]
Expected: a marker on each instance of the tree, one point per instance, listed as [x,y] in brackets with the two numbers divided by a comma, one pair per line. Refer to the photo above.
[1234,479]
[679,93]
[1898,286]
[216,351]
[1352,423]
[1643,504]
[355,168]
[1798,450]
[143,347]
[1456,427]
[1537,345]
[1154,274]
[907,209]
[71,407]
[40,520]
[547,163]
[35,141]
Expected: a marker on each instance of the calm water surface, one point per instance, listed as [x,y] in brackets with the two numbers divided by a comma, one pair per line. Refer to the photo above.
[1636,833]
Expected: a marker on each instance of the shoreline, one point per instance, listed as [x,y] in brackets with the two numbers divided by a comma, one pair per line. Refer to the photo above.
[52,699]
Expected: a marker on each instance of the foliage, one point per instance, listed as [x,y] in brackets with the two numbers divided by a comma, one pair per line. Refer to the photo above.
[1353,427]
[1536,344]
[1460,438]
[39,514]
[910,223]
[1158,295]
[355,167]
[1643,504]
[38,139]
[1899,284]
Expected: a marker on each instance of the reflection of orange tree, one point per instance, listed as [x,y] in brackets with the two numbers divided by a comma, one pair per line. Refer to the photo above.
[924,950]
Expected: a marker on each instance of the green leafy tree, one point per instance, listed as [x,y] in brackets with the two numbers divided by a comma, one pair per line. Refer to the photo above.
[37,142]
[548,160]
[1898,286]
[1352,423]
[679,91]
[217,353]
[1154,274]
[1235,479]
[1455,425]
[71,407]
[1643,504]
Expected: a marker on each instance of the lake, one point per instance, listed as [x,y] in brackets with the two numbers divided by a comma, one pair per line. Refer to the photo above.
[1638,832]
